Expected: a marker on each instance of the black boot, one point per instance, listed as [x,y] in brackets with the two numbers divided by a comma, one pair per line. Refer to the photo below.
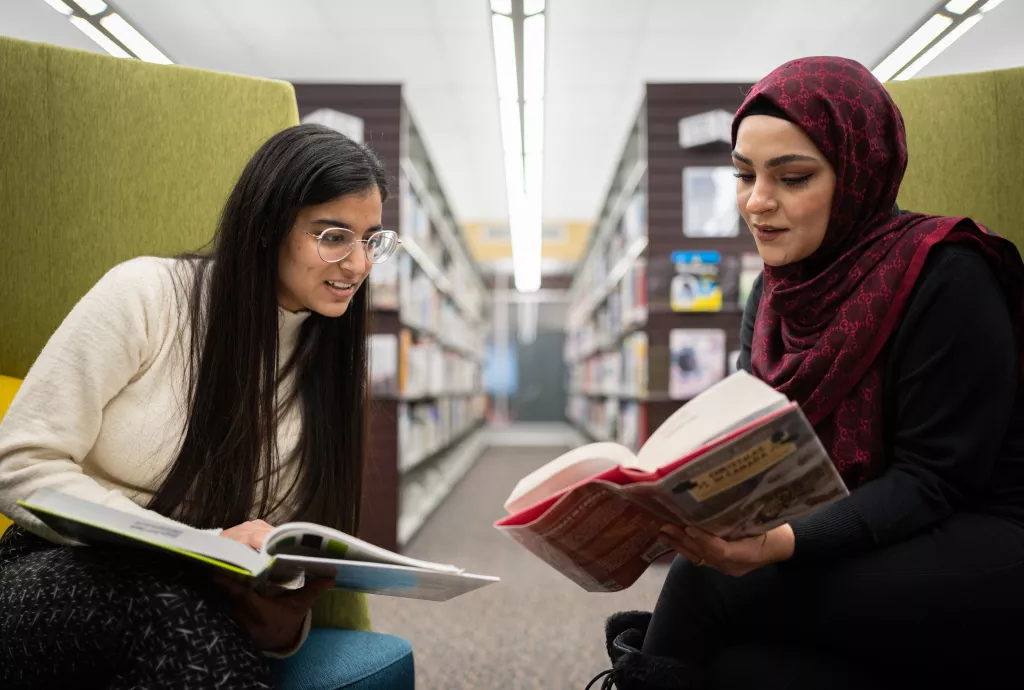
[619,623]
[634,670]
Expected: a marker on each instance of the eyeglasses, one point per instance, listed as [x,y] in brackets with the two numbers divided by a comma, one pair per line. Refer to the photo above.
[334,244]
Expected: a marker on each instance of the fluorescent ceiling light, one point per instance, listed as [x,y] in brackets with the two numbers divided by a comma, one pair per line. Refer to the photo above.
[960,6]
[533,58]
[95,34]
[534,169]
[511,136]
[907,50]
[503,6]
[991,5]
[60,7]
[136,42]
[533,127]
[92,7]
[933,52]
[531,6]
[523,178]
[514,186]
[505,58]
[526,266]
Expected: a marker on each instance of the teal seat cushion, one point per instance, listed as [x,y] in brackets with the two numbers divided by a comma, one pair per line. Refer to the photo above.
[350,659]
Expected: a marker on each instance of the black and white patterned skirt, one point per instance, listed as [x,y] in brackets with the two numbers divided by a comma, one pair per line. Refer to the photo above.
[96,617]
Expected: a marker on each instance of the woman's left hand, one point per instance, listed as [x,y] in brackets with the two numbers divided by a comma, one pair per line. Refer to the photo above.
[735,558]
[274,622]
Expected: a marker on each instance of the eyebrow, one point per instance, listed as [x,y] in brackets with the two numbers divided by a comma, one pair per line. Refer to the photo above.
[778,160]
[333,223]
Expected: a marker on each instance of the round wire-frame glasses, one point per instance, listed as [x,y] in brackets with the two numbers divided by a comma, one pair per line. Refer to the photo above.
[335,244]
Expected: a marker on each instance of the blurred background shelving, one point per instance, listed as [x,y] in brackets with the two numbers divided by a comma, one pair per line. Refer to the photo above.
[429,308]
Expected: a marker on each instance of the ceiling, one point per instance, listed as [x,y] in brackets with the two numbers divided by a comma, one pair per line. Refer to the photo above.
[600,53]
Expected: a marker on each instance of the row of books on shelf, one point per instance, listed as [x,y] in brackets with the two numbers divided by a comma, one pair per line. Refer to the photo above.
[603,259]
[625,309]
[427,427]
[609,420]
[408,367]
[423,305]
[417,225]
[421,493]
[620,372]
[698,358]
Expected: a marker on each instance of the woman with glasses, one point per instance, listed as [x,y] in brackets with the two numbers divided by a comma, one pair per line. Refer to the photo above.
[224,390]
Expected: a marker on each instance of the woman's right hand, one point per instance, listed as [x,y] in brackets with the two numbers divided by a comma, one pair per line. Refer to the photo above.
[250,533]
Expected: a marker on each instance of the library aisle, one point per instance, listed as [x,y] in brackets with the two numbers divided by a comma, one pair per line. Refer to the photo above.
[534,629]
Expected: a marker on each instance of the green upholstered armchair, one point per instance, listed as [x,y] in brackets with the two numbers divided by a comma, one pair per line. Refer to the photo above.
[964,135]
[106,159]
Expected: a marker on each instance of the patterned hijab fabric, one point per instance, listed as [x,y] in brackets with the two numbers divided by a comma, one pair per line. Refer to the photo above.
[823,321]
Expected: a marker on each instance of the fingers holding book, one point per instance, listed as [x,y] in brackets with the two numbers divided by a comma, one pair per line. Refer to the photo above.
[734,558]
[275,623]
[250,533]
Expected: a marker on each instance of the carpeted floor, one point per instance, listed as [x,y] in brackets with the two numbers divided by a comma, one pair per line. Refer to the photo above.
[534,629]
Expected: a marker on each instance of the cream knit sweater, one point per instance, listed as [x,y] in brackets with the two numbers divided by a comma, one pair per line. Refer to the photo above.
[101,413]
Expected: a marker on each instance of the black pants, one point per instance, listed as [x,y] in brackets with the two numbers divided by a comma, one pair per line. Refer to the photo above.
[943,609]
[94,617]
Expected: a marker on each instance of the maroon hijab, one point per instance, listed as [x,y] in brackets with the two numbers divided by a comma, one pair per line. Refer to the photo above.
[823,321]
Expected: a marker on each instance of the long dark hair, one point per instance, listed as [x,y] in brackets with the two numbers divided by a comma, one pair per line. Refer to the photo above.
[228,462]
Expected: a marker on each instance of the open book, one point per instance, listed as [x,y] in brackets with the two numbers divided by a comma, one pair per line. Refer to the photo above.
[290,552]
[737,460]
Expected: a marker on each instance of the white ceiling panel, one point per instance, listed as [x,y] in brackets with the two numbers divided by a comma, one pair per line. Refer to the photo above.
[34,20]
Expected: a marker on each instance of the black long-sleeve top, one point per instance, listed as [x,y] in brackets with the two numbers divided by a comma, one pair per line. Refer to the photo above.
[953,419]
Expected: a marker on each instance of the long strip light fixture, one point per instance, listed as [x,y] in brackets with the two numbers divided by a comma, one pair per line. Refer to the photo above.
[934,35]
[109,29]
[519,36]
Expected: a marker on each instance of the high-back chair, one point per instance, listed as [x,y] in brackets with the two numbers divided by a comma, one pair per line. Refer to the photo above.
[104,159]
[964,134]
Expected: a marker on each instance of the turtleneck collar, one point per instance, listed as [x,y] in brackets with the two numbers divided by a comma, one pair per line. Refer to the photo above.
[289,324]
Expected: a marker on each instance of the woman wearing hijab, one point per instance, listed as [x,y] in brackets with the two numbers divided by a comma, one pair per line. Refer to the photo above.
[898,334]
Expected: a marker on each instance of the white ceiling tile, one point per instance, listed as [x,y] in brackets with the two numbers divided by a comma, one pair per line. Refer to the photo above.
[34,20]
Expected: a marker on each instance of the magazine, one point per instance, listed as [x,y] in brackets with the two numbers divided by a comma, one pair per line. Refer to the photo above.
[696,285]
[709,202]
[738,460]
[698,360]
[291,552]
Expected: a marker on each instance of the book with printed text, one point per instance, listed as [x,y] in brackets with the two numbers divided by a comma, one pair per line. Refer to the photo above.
[738,460]
[290,553]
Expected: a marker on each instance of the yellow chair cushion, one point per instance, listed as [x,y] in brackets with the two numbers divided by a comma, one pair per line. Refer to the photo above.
[8,387]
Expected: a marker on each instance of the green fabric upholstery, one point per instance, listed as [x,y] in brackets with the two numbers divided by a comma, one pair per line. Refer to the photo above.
[964,134]
[105,159]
